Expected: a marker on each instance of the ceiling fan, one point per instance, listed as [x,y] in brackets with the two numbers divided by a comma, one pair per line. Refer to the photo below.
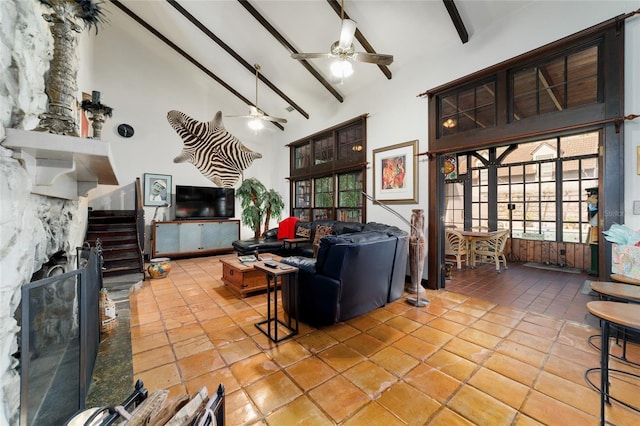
[256,114]
[344,51]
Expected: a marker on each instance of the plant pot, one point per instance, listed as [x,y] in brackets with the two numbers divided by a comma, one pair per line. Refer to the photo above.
[159,267]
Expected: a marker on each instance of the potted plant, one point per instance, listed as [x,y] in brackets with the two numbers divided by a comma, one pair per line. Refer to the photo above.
[258,204]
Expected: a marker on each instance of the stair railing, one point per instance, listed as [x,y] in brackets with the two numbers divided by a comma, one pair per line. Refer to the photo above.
[139,212]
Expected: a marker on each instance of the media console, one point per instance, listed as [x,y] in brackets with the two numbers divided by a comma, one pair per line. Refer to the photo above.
[184,238]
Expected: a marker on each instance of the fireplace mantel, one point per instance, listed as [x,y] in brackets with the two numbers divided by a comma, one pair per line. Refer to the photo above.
[61,166]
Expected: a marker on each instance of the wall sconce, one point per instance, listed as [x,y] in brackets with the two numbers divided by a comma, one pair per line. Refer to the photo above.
[449,123]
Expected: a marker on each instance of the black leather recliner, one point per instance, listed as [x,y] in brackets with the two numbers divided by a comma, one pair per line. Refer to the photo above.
[352,274]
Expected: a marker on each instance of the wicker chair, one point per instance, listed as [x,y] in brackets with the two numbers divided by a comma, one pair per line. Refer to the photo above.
[456,245]
[490,249]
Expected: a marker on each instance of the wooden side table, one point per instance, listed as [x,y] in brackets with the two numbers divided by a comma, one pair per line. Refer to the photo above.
[293,242]
[274,274]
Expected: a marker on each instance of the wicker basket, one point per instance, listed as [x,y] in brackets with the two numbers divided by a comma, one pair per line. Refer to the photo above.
[107,308]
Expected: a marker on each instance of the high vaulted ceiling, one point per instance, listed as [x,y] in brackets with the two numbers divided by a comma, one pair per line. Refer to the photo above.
[405,29]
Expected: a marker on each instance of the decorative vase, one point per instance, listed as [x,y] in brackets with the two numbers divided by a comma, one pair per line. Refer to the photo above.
[416,257]
[159,267]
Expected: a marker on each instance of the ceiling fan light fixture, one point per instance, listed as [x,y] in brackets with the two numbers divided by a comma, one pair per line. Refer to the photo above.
[255,124]
[342,68]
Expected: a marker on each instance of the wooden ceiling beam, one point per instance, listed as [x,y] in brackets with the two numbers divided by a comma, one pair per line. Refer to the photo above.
[271,29]
[235,55]
[457,20]
[184,54]
[359,36]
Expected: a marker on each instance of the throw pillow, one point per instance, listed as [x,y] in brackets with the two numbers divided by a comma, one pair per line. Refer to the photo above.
[321,231]
[303,232]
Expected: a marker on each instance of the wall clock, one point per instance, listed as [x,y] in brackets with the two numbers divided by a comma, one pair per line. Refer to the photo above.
[125,130]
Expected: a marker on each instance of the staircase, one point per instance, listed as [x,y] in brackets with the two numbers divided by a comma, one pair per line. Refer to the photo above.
[118,233]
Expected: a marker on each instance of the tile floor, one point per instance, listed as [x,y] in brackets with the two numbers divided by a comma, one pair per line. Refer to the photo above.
[490,349]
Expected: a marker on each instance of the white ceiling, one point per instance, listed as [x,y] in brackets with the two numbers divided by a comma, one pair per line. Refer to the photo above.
[405,29]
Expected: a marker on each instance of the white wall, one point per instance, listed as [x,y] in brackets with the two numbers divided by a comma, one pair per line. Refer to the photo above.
[142,80]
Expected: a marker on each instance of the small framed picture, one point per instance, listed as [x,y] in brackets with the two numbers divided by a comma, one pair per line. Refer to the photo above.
[395,173]
[157,189]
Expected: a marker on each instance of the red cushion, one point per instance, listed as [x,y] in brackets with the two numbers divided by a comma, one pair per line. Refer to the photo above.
[287,228]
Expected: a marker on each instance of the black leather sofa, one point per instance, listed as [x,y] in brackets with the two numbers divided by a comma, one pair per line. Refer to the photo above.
[352,274]
[269,242]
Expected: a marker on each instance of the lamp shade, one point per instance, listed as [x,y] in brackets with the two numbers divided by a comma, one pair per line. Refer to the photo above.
[342,68]
[256,124]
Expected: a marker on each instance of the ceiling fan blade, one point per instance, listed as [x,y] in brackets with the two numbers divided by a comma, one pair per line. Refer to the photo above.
[347,32]
[373,58]
[238,116]
[255,112]
[311,55]
[276,119]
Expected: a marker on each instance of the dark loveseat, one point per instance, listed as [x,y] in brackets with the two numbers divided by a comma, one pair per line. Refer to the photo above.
[352,274]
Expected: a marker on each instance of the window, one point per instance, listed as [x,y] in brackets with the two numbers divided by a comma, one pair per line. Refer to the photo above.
[556,84]
[541,188]
[467,109]
[330,186]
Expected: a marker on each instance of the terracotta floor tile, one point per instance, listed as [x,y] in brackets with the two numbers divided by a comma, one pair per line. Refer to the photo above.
[403,324]
[199,364]
[365,344]
[162,377]
[481,338]
[238,350]
[253,368]
[317,341]
[239,409]
[500,387]
[532,341]
[432,335]
[492,343]
[417,348]
[385,333]
[467,350]
[370,378]
[310,372]
[521,352]
[272,392]
[340,357]
[339,398]
[480,408]
[408,404]
[147,342]
[512,368]
[577,395]
[552,412]
[433,382]
[302,411]
[185,332]
[288,352]
[192,346]
[451,364]
[446,417]
[395,361]
[341,331]
[152,358]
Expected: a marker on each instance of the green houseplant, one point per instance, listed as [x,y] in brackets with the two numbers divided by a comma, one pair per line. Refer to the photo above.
[258,203]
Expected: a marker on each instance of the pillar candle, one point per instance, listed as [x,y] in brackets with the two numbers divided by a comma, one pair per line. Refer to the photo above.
[95,97]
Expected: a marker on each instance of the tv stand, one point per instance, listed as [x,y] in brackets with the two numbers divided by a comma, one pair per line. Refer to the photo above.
[184,238]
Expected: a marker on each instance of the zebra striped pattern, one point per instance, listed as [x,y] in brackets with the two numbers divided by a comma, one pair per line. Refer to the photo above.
[215,152]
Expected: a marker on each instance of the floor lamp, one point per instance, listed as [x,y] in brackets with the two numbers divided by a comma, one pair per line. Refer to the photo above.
[416,248]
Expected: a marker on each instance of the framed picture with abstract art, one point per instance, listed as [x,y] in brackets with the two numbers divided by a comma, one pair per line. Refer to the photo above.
[157,189]
[395,173]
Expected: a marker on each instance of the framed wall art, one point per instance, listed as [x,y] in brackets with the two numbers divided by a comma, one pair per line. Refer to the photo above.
[157,189]
[395,173]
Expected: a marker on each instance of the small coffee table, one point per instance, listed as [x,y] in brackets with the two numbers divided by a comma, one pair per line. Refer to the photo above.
[293,242]
[242,278]
[270,326]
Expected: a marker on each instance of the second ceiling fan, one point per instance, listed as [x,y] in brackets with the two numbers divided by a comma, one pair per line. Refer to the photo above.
[255,113]
[344,51]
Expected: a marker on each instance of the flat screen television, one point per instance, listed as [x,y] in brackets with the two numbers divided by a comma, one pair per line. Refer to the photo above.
[204,202]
